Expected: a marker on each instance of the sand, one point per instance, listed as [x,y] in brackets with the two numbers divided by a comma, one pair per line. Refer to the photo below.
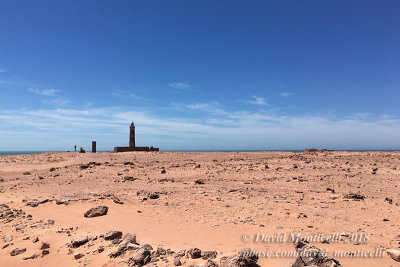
[212,201]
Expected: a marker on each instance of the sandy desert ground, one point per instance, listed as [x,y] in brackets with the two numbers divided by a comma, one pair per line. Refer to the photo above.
[217,202]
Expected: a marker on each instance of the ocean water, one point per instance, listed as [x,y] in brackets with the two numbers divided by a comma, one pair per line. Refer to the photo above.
[2,153]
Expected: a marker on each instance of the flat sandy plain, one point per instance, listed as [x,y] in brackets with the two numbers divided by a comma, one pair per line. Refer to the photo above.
[237,196]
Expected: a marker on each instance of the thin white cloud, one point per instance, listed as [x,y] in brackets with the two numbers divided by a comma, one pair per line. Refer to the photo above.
[125,94]
[3,70]
[257,100]
[45,92]
[57,102]
[236,130]
[285,94]
[180,85]
[212,107]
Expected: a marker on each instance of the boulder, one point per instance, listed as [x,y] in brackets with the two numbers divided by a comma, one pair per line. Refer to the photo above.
[194,253]
[312,256]
[17,251]
[78,256]
[142,256]
[45,245]
[97,211]
[111,235]
[394,254]
[79,241]
[177,261]
[245,258]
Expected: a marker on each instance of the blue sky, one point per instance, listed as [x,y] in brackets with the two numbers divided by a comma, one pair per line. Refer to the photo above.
[200,74]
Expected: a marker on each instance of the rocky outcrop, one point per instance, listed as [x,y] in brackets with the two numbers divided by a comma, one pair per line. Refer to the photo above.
[312,256]
[96,212]
[245,258]
[79,241]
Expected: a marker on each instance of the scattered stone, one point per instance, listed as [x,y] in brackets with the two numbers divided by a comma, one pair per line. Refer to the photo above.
[354,196]
[142,256]
[79,241]
[389,200]
[20,227]
[177,261]
[210,263]
[100,249]
[26,173]
[312,256]
[78,256]
[199,181]
[116,200]
[194,253]
[163,171]
[97,211]
[394,254]
[62,201]
[129,178]
[154,196]
[245,258]
[180,253]
[45,252]
[45,245]
[33,256]
[111,235]
[208,255]
[32,203]
[17,251]
[8,238]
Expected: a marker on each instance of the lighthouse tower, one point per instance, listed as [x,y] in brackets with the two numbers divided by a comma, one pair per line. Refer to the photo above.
[132,135]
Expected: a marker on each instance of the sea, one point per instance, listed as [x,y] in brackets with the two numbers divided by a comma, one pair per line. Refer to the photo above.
[3,153]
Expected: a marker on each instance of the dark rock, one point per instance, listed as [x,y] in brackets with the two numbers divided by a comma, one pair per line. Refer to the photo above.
[35,239]
[163,171]
[312,256]
[245,258]
[208,255]
[354,196]
[129,178]
[113,235]
[34,256]
[97,211]
[17,251]
[142,256]
[153,196]
[79,241]
[32,203]
[45,252]
[194,253]
[199,181]
[78,256]
[45,245]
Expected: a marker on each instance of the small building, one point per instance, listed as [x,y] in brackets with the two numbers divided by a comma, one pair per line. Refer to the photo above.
[132,145]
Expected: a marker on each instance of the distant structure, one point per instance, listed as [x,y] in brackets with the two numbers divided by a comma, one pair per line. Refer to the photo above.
[93,146]
[132,146]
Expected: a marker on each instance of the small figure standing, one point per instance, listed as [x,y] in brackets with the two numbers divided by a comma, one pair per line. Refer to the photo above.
[75,148]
